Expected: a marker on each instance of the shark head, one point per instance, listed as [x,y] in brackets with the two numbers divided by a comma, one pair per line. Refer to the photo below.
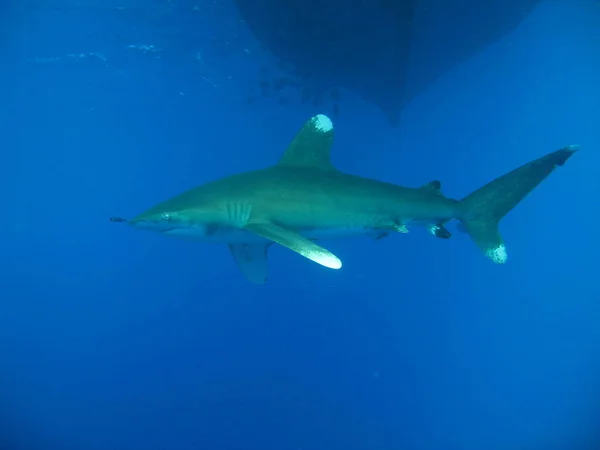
[177,218]
[160,221]
[197,214]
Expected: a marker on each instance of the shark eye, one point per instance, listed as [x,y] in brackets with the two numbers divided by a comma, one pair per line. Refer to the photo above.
[166,216]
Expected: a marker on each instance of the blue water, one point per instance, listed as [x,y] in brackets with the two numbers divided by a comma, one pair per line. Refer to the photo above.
[112,338]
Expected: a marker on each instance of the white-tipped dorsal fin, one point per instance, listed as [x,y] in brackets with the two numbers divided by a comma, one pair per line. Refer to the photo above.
[312,145]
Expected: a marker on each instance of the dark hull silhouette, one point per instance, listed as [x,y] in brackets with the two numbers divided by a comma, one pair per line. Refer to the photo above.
[387,51]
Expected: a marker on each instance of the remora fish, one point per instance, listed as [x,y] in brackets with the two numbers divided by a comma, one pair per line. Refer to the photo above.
[305,198]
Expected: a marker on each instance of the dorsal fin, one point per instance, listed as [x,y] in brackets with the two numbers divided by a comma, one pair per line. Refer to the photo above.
[433,186]
[312,145]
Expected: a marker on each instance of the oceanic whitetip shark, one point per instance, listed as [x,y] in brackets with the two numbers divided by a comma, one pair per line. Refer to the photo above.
[304,198]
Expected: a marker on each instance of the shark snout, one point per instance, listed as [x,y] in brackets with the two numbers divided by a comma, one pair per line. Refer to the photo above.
[136,221]
[140,222]
[162,223]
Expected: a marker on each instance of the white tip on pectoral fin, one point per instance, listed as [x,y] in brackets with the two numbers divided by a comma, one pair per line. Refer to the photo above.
[323,257]
[296,243]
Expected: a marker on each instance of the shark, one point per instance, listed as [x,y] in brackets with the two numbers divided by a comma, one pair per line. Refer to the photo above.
[304,199]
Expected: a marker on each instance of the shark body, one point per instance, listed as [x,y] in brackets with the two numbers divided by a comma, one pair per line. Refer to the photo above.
[304,198]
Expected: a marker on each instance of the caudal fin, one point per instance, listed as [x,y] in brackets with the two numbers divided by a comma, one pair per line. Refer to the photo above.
[482,210]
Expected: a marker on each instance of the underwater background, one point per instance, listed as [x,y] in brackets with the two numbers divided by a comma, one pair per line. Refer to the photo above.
[111,338]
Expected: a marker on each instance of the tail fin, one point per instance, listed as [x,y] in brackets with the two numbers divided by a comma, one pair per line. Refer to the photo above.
[482,210]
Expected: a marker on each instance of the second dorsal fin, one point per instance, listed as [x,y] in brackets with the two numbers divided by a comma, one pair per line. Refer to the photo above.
[433,186]
[312,145]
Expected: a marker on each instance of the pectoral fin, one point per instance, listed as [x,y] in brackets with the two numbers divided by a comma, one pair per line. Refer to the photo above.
[252,261]
[297,243]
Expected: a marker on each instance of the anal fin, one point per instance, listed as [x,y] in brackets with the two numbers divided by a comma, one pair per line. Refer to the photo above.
[439,231]
[252,261]
[296,243]
[378,234]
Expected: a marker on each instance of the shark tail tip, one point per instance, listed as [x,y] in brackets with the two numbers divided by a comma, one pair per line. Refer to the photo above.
[562,155]
[497,253]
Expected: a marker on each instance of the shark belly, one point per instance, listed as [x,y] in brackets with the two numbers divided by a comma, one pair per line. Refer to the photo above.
[232,235]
